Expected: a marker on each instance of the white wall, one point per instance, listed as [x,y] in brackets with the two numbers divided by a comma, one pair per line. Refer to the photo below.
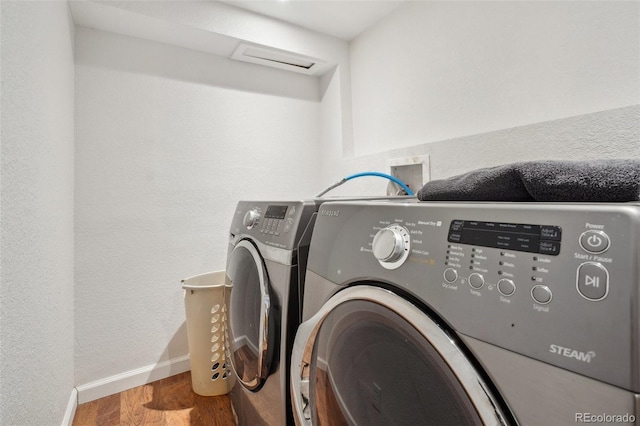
[607,134]
[36,286]
[217,28]
[435,71]
[167,142]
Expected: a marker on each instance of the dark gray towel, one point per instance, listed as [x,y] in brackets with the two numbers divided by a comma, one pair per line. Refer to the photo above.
[572,181]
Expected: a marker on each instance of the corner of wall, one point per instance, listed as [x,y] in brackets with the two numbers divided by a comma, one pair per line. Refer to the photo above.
[70,412]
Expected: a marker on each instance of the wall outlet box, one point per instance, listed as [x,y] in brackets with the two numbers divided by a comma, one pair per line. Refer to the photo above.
[414,171]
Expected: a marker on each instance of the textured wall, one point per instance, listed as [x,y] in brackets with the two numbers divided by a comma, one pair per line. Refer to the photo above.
[608,134]
[36,288]
[436,71]
[477,84]
[166,144]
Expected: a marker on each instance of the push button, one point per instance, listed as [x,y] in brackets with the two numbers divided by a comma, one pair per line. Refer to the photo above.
[549,247]
[594,241]
[454,237]
[592,281]
[550,232]
[456,225]
[476,281]
[450,275]
[541,294]
[506,287]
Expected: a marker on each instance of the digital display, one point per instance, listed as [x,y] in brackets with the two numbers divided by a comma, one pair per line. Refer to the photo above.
[543,239]
[276,212]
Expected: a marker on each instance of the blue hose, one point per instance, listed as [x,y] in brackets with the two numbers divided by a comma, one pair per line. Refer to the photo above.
[363,174]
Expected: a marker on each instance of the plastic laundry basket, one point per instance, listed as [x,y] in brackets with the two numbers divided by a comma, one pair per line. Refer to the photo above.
[205,302]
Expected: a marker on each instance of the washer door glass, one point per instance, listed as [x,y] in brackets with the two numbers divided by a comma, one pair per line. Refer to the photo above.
[249,315]
[373,360]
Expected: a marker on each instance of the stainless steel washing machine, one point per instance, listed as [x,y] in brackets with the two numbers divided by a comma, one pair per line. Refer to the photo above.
[470,313]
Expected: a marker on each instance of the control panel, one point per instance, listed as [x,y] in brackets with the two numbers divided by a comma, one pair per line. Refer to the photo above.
[272,223]
[278,219]
[592,278]
[527,277]
[544,239]
[276,224]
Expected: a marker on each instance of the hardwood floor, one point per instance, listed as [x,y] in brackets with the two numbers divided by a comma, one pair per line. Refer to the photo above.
[328,411]
[170,401]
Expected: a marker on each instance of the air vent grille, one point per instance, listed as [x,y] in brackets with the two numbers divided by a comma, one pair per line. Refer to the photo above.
[276,58]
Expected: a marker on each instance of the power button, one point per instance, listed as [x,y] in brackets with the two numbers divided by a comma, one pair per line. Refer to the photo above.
[594,241]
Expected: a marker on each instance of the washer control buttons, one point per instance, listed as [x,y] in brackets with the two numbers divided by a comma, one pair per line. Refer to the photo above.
[550,232]
[476,280]
[594,241]
[592,281]
[541,294]
[450,275]
[549,247]
[272,226]
[506,287]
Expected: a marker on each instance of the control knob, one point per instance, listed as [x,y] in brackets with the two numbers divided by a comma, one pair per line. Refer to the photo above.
[251,218]
[391,246]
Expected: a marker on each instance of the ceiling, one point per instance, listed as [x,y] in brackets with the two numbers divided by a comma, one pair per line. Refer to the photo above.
[344,19]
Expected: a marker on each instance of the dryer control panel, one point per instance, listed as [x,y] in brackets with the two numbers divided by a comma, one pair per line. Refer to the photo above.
[554,282]
[276,224]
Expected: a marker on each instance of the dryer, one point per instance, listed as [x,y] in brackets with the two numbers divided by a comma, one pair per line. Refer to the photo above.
[470,313]
[268,244]
[266,264]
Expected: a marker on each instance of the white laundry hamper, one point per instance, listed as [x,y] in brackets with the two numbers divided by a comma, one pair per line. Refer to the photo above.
[205,301]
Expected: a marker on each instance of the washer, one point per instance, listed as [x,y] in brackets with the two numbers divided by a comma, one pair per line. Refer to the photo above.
[470,313]
[268,248]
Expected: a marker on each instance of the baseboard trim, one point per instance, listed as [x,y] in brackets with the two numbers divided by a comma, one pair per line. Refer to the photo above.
[131,379]
[71,408]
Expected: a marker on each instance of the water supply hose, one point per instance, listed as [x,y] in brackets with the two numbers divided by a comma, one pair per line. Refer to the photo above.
[363,174]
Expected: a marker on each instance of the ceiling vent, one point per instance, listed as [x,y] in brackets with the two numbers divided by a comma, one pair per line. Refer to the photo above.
[276,58]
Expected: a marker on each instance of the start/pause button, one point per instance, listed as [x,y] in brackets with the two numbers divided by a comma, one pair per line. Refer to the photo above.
[592,281]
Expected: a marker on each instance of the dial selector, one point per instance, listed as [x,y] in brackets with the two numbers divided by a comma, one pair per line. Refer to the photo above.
[251,218]
[391,246]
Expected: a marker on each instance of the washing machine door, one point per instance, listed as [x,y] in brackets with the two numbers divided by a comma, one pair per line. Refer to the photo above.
[369,357]
[249,313]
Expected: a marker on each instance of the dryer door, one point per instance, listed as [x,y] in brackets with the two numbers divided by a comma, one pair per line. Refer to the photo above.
[249,316]
[369,357]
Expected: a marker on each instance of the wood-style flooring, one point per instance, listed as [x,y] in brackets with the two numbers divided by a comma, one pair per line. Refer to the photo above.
[170,401]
